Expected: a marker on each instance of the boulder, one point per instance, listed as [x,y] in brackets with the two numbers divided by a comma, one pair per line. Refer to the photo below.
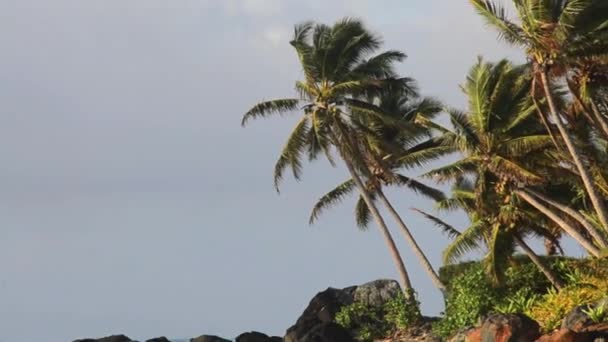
[326,332]
[378,292]
[323,307]
[462,335]
[593,333]
[113,338]
[208,338]
[255,336]
[577,320]
[509,328]
[159,339]
[562,335]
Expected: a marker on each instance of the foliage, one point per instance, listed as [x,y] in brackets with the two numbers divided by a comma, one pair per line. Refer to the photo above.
[553,306]
[597,314]
[369,322]
[471,295]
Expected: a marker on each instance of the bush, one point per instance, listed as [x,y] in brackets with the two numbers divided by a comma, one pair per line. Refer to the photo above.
[584,286]
[369,322]
[471,296]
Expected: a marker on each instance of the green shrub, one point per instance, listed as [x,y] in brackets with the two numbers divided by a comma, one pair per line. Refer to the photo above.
[471,296]
[550,309]
[369,322]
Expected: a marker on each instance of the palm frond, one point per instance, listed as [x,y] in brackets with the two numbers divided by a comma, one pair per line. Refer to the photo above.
[468,241]
[446,228]
[362,213]
[331,198]
[292,151]
[496,16]
[420,188]
[266,108]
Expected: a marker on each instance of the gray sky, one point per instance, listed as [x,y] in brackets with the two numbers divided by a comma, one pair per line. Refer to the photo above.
[131,199]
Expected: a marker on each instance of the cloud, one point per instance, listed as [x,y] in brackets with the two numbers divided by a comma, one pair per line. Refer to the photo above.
[253,7]
[275,35]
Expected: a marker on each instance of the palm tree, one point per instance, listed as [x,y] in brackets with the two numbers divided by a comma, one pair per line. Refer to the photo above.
[339,69]
[505,151]
[386,149]
[499,227]
[554,34]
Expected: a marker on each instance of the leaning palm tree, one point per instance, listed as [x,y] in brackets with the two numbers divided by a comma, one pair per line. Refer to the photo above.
[498,227]
[339,69]
[502,145]
[386,149]
[555,34]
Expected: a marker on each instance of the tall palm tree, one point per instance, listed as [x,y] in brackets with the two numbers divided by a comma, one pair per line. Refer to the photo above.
[339,69]
[387,149]
[503,147]
[554,34]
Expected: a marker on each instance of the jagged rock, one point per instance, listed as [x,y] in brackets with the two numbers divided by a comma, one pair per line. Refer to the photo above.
[323,307]
[462,335]
[113,338]
[377,292]
[208,338]
[255,336]
[508,328]
[577,320]
[159,339]
[593,333]
[326,332]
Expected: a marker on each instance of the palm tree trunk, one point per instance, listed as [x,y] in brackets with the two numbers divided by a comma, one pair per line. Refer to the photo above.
[539,263]
[598,117]
[410,239]
[599,237]
[572,231]
[597,202]
[388,239]
[542,115]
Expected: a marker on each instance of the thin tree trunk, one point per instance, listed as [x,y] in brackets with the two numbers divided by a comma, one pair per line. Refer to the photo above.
[388,239]
[598,116]
[572,231]
[597,202]
[410,239]
[542,116]
[598,236]
[539,263]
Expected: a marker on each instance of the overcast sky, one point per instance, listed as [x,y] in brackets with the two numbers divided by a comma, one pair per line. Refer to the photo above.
[131,200]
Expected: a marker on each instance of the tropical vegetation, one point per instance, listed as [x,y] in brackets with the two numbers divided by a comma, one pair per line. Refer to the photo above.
[528,154]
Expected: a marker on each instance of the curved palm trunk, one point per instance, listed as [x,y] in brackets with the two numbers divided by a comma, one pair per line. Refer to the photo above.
[410,239]
[599,237]
[555,281]
[597,202]
[388,239]
[572,231]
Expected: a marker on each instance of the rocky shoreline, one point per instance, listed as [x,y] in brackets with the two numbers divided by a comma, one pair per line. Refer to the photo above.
[317,323]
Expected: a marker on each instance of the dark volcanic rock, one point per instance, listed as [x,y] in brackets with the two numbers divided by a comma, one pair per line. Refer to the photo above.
[577,320]
[159,339]
[113,338]
[314,323]
[509,328]
[255,336]
[208,338]
[326,332]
